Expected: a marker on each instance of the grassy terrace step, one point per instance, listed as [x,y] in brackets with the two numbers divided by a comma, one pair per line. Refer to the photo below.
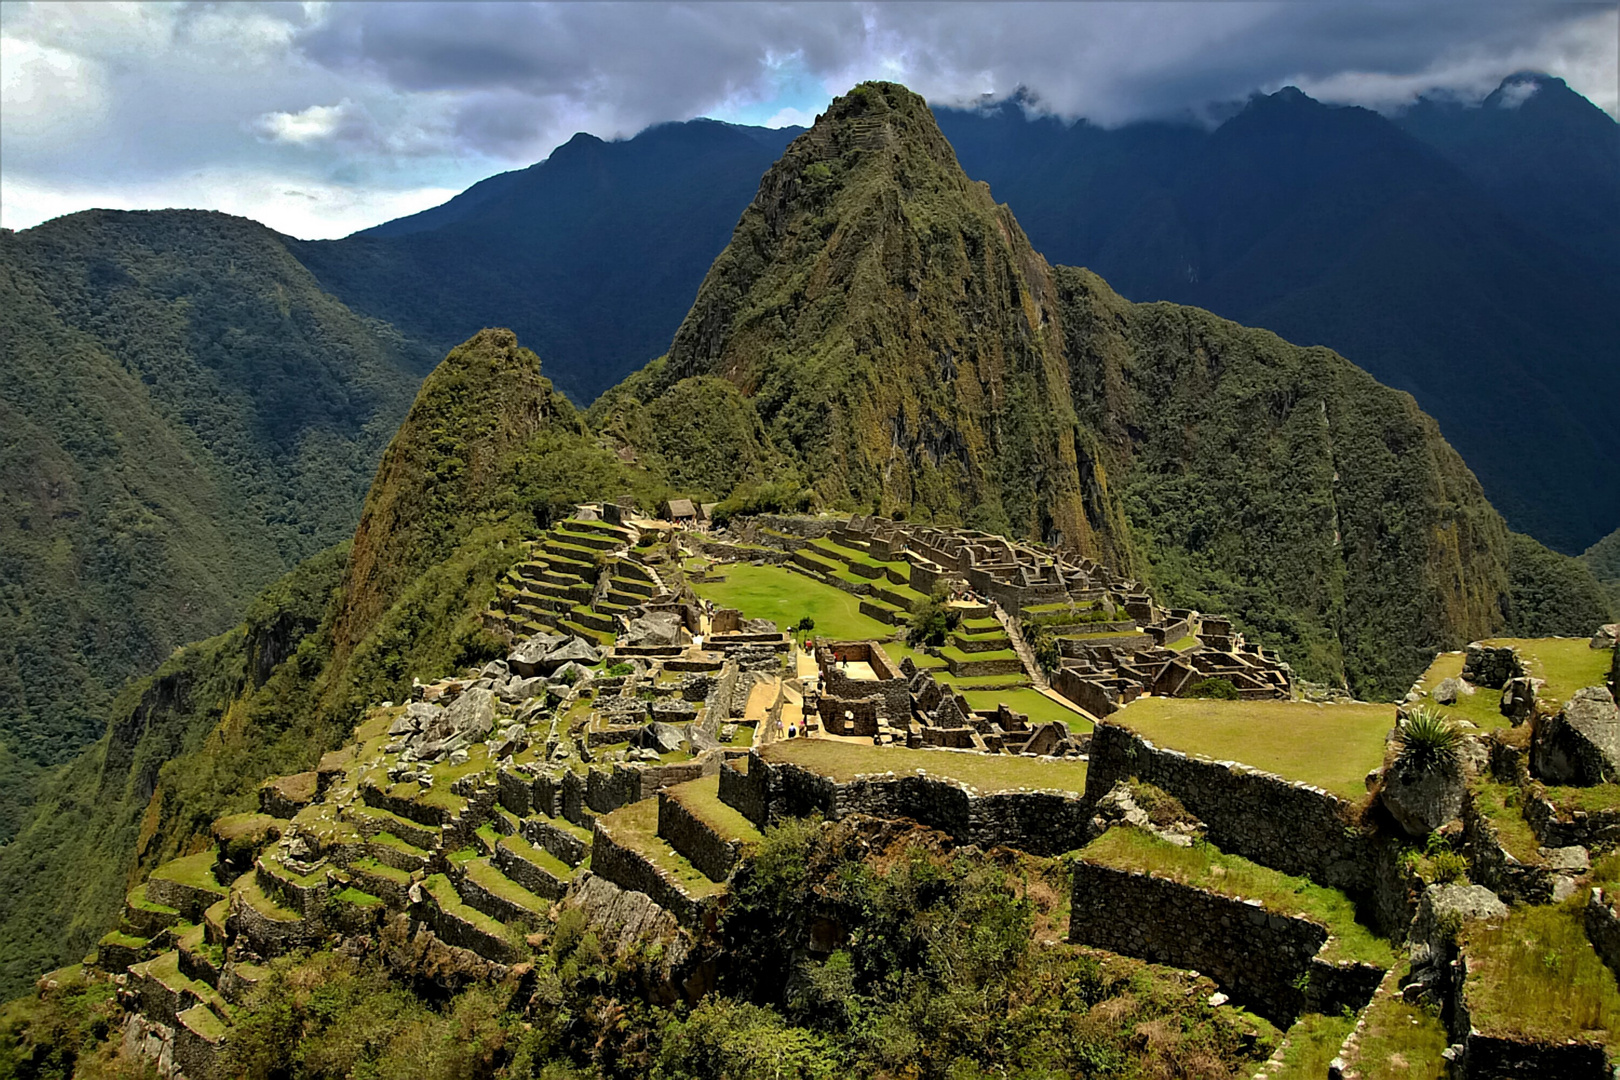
[254,896]
[373,820]
[532,867]
[582,556]
[203,1021]
[701,798]
[952,654]
[1399,1040]
[488,889]
[490,936]
[164,969]
[1330,746]
[147,916]
[982,682]
[1535,974]
[635,827]
[842,762]
[1032,703]
[588,540]
[1203,866]
[785,596]
[573,627]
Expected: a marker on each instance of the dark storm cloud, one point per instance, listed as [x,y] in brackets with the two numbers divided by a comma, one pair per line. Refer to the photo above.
[371,110]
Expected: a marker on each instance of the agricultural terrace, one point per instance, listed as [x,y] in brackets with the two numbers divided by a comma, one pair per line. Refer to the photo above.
[1037,706]
[1330,746]
[1534,973]
[785,597]
[844,761]
[1567,664]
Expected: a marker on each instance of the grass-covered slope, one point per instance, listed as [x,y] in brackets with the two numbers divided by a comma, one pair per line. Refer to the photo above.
[187,416]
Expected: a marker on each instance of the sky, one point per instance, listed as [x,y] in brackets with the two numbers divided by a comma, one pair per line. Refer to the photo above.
[322,118]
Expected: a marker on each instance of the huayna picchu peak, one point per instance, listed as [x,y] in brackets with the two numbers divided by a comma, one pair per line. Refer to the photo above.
[935,664]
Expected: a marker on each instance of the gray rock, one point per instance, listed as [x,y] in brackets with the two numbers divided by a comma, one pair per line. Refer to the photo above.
[1519,699]
[459,757]
[574,650]
[495,670]
[1606,636]
[644,754]
[662,738]
[1421,802]
[656,628]
[526,659]
[473,714]
[1441,912]
[1580,745]
[571,674]
[418,716]
[1573,859]
[1449,691]
[760,626]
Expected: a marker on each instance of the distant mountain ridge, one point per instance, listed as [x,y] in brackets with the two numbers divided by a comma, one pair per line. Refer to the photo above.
[1385,239]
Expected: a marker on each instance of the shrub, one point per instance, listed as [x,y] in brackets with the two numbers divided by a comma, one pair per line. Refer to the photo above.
[1428,741]
[621,668]
[1219,689]
[1449,866]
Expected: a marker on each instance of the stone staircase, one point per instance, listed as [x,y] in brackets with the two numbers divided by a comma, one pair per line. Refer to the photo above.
[1032,666]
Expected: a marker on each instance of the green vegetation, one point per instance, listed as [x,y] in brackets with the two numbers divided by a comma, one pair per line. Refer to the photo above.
[1401,1042]
[1534,973]
[1331,746]
[1566,665]
[1215,689]
[1499,804]
[1313,1042]
[1603,560]
[188,416]
[1549,593]
[1427,741]
[1202,866]
[844,761]
[784,597]
[636,827]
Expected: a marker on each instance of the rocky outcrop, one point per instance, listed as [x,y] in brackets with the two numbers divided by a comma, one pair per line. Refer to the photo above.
[1581,744]
[1422,800]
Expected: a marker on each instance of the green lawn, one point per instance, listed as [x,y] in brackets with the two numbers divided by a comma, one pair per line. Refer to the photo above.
[702,798]
[194,870]
[1313,1042]
[1568,664]
[898,651]
[1203,866]
[1400,1040]
[844,761]
[636,827]
[951,652]
[1330,746]
[1534,973]
[770,592]
[1032,702]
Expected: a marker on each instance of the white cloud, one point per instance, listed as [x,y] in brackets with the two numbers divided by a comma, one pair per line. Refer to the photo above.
[311,125]
[301,208]
[791,117]
[46,92]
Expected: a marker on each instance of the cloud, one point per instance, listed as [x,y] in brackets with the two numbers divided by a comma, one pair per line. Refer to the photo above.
[385,100]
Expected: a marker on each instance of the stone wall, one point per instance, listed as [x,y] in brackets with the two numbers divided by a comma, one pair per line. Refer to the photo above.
[1266,961]
[746,791]
[1494,867]
[629,869]
[1288,826]
[1487,1057]
[1596,830]
[454,930]
[690,835]
[1039,822]
[562,843]
[1603,928]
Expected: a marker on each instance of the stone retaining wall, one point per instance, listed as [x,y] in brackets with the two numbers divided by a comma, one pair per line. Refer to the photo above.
[555,839]
[195,1054]
[746,791]
[537,879]
[1288,826]
[266,936]
[1488,1057]
[1494,867]
[1598,829]
[189,900]
[1265,960]
[1603,928]
[690,835]
[628,869]
[1039,822]
[452,929]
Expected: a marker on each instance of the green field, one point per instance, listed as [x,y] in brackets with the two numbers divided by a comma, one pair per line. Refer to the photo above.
[1032,702]
[1534,973]
[844,761]
[1331,746]
[1567,664]
[770,592]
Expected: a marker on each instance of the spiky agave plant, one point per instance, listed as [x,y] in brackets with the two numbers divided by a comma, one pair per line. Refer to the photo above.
[1428,742]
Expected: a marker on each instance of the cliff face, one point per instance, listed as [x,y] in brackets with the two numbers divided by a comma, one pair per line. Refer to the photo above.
[907,348]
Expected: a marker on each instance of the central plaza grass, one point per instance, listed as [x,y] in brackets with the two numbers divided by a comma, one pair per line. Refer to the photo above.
[844,761]
[770,592]
[1534,973]
[1037,706]
[1567,665]
[1330,746]
[1202,866]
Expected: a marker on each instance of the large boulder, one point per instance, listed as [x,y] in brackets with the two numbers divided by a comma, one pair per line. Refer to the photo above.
[574,650]
[1519,699]
[1432,938]
[1581,744]
[1422,800]
[662,737]
[1606,636]
[472,716]
[527,658]
[656,628]
[418,716]
[1450,690]
[1491,665]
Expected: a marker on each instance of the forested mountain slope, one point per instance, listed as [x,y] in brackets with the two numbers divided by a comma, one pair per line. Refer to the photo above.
[1333,226]
[488,451]
[187,416]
